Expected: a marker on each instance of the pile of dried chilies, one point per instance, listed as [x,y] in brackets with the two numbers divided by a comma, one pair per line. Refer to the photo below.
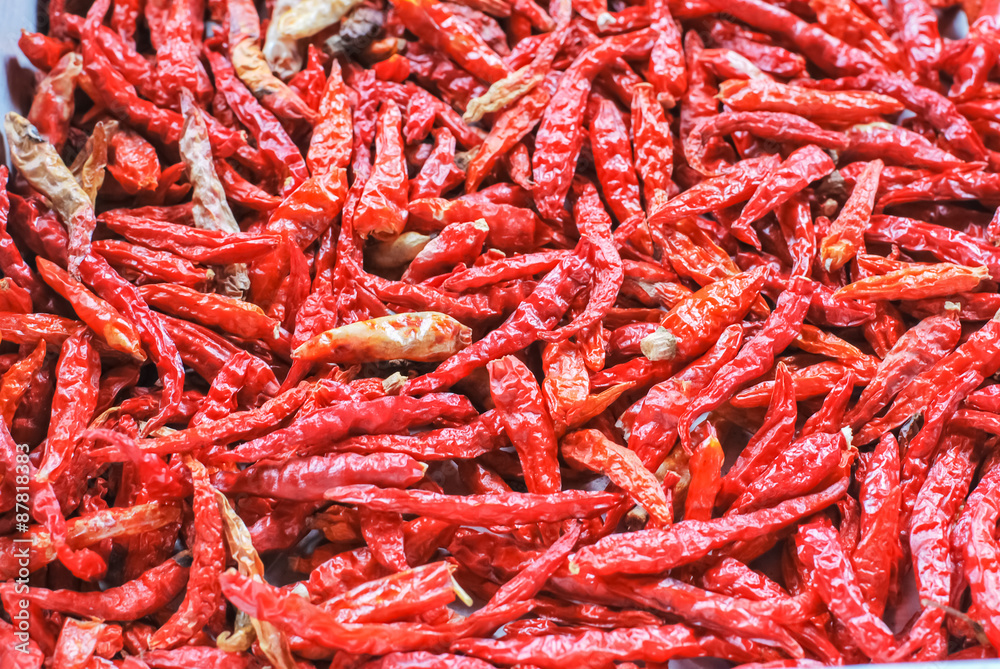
[481,333]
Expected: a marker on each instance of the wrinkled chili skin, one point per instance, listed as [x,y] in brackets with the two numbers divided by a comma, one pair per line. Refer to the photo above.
[649,331]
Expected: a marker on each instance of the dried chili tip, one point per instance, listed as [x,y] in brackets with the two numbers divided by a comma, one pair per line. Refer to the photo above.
[423,336]
[659,345]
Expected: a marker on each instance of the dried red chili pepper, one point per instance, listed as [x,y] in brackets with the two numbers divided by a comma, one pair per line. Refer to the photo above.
[316,351]
[781,327]
[819,549]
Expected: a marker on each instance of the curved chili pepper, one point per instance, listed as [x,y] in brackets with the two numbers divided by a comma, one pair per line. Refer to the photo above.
[100,316]
[819,549]
[736,186]
[656,550]
[828,52]
[387,414]
[131,601]
[781,328]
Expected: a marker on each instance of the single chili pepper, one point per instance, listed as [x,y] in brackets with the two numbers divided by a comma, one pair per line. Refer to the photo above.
[819,342]
[187,656]
[178,65]
[16,380]
[917,282]
[527,423]
[592,450]
[666,72]
[693,324]
[241,191]
[78,374]
[39,163]
[589,649]
[395,597]
[781,328]
[654,143]
[131,601]
[43,51]
[935,508]
[818,546]
[439,174]
[494,510]
[980,559]
[898,145]
[308,478]
[101,317]
[736,186]
[211,209]
[425,659]
[53,105]
[226,313]
[705,467]
[203,596]
[846,235]
[613,160]
[382,532]
[32,328]
[504,269]
[133,162]
[416,336]
[919,35]
[330,145]
[381,415]
[382,208]
[843,106]
[655,550]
